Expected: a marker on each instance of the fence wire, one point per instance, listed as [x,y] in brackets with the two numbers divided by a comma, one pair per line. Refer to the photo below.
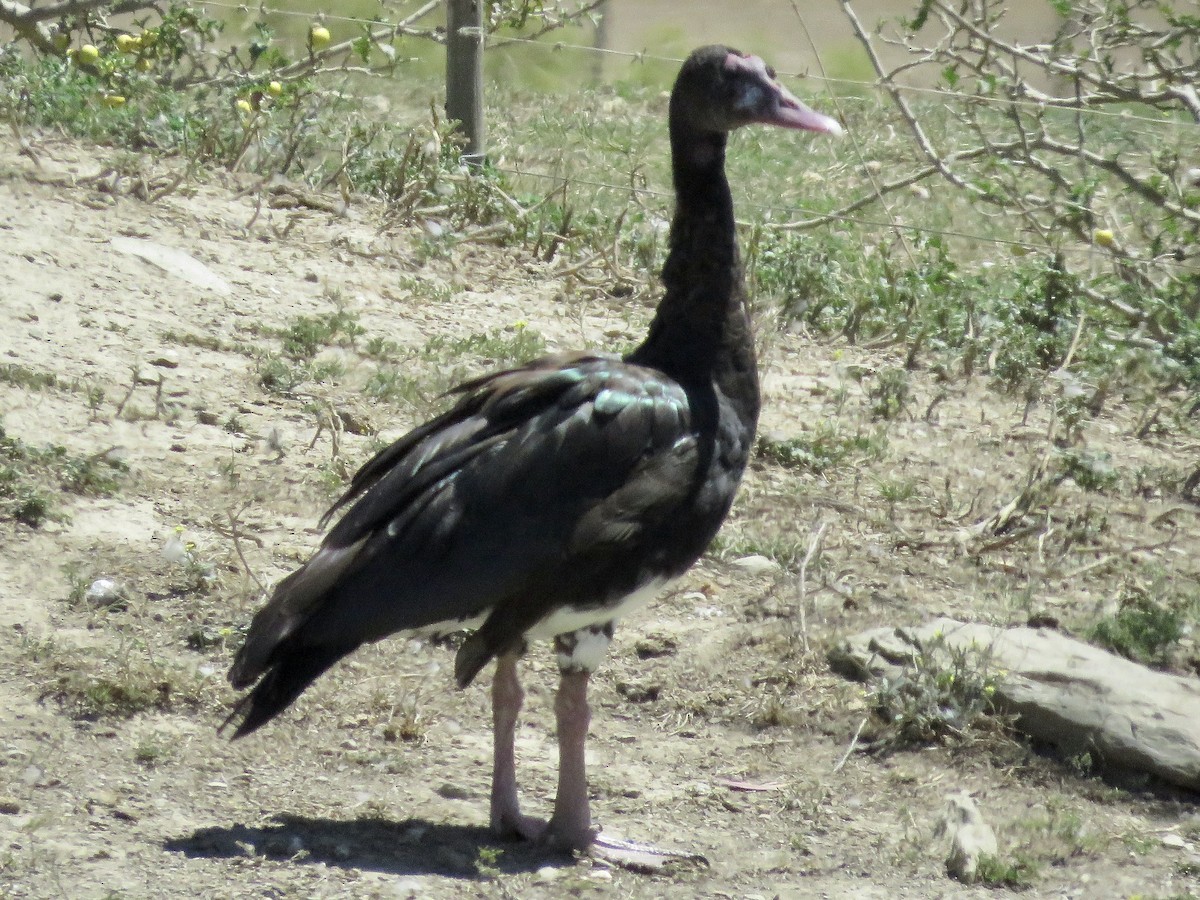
[842,89]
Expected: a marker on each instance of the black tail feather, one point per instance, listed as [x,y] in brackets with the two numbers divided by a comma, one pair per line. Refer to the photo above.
[286,679]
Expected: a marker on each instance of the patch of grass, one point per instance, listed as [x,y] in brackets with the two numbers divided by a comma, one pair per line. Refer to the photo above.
[382,349]
[1141,844]
[1060,834]
[93,695]
[896,490]
[1149,624]
[889,394]
[278,376]
[778,544]
[34,380]
[152,752]
[24,377]
[30,475]
[1018,873]
[91,685]
[517,343]
[306,336]
[202,341]
[1092,471]
[487,862]
[823,449]
[392,386]
[944,692]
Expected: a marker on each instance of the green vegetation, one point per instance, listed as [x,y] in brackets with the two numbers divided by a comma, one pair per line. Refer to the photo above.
[30,476]
[1149,623]
[1018,873]
[826,448]
[308,335]
[94,685]
[944,692]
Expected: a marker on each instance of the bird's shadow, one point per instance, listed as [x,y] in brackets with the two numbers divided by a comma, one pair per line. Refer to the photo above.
[410,847]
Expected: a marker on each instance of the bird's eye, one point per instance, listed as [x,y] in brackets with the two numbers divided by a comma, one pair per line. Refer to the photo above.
[771,72]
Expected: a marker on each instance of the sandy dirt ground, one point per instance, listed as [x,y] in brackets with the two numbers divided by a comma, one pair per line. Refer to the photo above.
[718,728]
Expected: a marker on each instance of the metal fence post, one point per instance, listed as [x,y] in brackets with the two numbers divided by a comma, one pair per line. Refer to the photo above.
[464,74]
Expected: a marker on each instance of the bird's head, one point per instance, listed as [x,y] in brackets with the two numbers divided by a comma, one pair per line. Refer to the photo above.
[720,89]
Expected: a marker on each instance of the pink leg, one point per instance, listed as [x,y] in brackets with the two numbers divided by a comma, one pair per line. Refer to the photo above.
[507,697]
[571,825]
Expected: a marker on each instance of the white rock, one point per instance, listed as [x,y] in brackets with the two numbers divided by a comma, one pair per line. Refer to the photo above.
[756,564]
[970,837]
[104,592]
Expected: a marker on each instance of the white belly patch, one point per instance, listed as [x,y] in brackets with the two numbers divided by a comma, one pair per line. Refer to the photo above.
[563,621]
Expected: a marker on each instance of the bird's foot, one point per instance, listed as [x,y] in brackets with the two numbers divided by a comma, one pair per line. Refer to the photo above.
[632,855]
[512,823]
[550,834]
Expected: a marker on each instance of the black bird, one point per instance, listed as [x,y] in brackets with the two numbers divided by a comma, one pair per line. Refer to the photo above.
[554,497]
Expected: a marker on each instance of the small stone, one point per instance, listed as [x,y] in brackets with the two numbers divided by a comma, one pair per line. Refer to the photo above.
[103,797]
[1173,840]
[970,837]
[756,564]
[453,792]
[104,593]
[9,806]
[354,423]
[653,646]
[547,873]
[639,692]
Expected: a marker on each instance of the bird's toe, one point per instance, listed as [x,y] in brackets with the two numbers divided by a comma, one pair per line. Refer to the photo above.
[640,857]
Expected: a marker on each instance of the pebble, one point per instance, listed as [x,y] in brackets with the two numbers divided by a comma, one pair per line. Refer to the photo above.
[104,593]
[756,564]
[103,797]
[453,791]
[1174,840]
[9,806]
[970,837]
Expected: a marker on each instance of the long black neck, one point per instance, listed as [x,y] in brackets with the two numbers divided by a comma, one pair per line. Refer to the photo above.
[701,332]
